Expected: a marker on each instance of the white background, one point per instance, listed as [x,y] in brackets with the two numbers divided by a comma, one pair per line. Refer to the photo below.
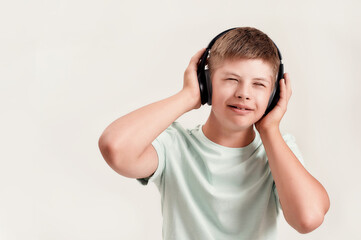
[70,68]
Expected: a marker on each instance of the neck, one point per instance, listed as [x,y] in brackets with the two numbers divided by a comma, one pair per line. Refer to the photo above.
[226,136]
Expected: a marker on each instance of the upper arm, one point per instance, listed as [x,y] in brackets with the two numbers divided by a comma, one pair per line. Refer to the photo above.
[142,167]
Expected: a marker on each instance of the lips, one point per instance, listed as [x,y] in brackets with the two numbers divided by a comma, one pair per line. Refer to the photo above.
[241,107]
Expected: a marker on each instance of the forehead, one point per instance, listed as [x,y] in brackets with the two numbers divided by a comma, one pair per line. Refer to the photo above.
[246,68]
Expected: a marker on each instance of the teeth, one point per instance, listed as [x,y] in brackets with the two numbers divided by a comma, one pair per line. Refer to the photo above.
[239,108]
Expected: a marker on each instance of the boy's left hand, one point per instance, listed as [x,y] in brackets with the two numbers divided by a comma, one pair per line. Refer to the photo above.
[273,118]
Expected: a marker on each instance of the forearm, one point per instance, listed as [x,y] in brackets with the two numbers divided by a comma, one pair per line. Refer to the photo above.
[304,200]
[129,135]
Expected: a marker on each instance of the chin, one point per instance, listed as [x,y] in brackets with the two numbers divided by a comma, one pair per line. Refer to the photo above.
[238,126]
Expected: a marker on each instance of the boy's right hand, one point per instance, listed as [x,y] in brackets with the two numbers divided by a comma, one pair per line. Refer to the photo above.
[190,83]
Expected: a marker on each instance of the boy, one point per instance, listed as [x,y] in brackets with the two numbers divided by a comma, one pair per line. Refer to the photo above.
[224,179]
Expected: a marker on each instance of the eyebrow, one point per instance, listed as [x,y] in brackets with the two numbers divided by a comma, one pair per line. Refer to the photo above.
[257,78]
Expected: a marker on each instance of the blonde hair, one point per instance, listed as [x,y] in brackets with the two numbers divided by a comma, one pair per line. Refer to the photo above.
[244,42]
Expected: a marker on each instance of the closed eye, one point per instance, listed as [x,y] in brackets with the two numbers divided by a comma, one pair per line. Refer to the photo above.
[259,84]
[232,79]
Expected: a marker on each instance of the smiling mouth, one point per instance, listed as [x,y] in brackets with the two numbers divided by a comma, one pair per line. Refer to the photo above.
[240,108]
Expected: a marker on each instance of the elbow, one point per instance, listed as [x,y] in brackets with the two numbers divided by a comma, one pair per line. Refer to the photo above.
[312,220]
[108,149]
[315,219]
[309,224]
[115,156]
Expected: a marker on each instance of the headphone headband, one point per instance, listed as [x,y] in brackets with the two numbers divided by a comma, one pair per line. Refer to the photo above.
[224,32]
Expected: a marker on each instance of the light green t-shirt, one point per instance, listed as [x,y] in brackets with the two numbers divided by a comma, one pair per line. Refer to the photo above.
[212,192]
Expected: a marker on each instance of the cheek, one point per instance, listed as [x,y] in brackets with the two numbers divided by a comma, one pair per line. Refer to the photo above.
[219,93]
[262,99]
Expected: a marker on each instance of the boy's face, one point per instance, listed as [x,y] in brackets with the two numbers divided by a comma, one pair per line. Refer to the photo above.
[245,82]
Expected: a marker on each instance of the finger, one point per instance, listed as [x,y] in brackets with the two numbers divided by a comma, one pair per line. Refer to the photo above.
[283,89]
[283,101]
[288,85]
[195,59]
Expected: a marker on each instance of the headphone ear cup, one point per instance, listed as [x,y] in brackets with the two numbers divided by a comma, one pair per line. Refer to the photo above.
[202,84]
[275,96]
[202,78]
[208,87]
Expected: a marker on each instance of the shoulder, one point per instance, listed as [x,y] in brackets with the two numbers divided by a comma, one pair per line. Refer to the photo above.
[175,131]
[178,128]
[288,137]
[292,144]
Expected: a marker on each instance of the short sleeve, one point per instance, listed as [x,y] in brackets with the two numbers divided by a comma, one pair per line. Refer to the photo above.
[161,144]
[291,143]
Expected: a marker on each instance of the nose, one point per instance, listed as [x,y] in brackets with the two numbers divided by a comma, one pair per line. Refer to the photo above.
[243,91]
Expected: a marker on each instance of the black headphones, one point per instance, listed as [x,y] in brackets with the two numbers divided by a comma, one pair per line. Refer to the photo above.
[205,83]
